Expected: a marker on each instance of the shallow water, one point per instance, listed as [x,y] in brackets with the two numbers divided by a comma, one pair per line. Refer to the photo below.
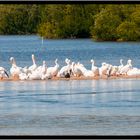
[69,107]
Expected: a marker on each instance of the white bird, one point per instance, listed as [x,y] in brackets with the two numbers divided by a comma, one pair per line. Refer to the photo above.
[126,68]
[17,72]
[65,69]
[23,76]
[133,71]
[34,66]
[76,70]
[120,67]
[79,64]
[114,71]
[103,70]
[52,71]
[94,69]
[34,75]
[3,73]
[86,72]
[38,73]
[14,70]
[42,69]
[121,64]
[25,70]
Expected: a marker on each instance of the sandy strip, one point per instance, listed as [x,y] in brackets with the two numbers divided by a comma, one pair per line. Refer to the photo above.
[77,78]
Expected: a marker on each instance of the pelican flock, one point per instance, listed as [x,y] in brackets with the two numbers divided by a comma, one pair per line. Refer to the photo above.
[70,70]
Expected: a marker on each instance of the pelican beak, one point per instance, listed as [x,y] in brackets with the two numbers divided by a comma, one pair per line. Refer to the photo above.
[6,74]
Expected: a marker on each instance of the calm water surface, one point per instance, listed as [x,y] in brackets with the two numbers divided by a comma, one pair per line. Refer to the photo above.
[69,107]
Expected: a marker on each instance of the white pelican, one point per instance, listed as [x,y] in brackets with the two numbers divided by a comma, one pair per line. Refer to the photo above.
[133,71]
[121,62]
[85,72]
[94,68]
[65,70]
[79,64]
[114,71]
[25,70]
[104,69]
[17,72]
[23,76]
[126,68]
[34,66]
[52,71]
[14,70]
[120,67]
[3,73]
[42,69]
[34,75]
[76,70]
[38,73]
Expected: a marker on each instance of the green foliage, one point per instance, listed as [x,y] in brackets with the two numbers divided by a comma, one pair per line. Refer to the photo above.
[21,19]
[128,31]
[117,22]
[105,22]
[105,25]
[135,17]
[70,21]
[48,30]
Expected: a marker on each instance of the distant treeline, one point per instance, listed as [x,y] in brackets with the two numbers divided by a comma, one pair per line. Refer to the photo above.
[102,22]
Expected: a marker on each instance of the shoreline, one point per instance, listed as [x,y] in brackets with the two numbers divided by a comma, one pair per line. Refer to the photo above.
[76,78]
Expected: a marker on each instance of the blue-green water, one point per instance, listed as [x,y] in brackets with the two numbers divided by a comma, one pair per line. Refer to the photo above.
[69,107]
